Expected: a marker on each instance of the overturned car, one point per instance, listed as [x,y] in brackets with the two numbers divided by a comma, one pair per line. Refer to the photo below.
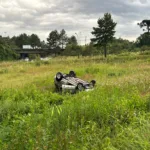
[70,82]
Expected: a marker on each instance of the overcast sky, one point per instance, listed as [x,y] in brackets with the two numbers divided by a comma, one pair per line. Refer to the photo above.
[75,16]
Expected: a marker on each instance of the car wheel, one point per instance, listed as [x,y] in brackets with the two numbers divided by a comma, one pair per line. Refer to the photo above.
[93,82]
[59,76]
[72,74]
[80,87]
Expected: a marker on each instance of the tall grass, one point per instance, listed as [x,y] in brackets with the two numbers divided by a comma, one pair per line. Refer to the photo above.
[115,115]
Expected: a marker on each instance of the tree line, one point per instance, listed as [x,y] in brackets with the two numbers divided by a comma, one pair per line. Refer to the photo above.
[103,41]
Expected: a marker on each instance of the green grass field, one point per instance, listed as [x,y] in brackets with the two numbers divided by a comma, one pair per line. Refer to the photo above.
[114,116]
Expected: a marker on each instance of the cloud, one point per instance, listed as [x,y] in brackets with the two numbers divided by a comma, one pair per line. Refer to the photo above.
[75,16]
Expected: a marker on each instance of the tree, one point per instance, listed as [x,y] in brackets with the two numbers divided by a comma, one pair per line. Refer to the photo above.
[6,52]
[145,23]
[88,50]
[53,39]
[143,40]
[72,40]
[119,45]
[35,40]
[104,32]
[22,39]
[72,50]
[43,44]
[62,38]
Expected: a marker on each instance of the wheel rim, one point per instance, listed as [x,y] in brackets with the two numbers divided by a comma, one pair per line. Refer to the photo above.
[58,76]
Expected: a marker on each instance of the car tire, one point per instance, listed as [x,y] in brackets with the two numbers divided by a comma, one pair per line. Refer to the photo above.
[80,87]
[93,82]
[72,74]
[59,76]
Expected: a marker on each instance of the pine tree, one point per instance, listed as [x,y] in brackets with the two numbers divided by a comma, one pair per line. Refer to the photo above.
[104,32]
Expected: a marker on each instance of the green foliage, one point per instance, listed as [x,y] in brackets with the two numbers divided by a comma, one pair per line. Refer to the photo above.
[57,41]
[120,45]
[35,41]
[32,119]
[72,50]
[104,32]
[33,56]
[145,23]
[89,50]
[92,70]
[115,115]
[24,39]
[72,40]
[63,39]
[4,71]
[143,40]
[53,39]
[6,53]
[38,61]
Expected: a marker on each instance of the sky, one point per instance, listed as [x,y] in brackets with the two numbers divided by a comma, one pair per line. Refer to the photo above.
[77,17]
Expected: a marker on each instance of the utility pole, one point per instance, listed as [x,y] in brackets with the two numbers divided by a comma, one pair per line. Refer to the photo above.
[85,40]
[77,38]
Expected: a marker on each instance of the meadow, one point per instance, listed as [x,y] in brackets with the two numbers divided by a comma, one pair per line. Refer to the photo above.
[114,116]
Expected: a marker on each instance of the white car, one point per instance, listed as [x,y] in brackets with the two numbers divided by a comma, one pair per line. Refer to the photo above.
[71,82]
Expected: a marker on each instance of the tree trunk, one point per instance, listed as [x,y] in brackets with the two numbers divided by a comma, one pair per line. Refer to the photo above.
[105,51]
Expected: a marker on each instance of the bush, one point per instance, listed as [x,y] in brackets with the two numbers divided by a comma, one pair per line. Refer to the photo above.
[6,53]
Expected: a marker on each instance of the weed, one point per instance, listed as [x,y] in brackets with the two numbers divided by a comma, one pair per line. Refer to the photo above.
[115,115]
[4,71]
